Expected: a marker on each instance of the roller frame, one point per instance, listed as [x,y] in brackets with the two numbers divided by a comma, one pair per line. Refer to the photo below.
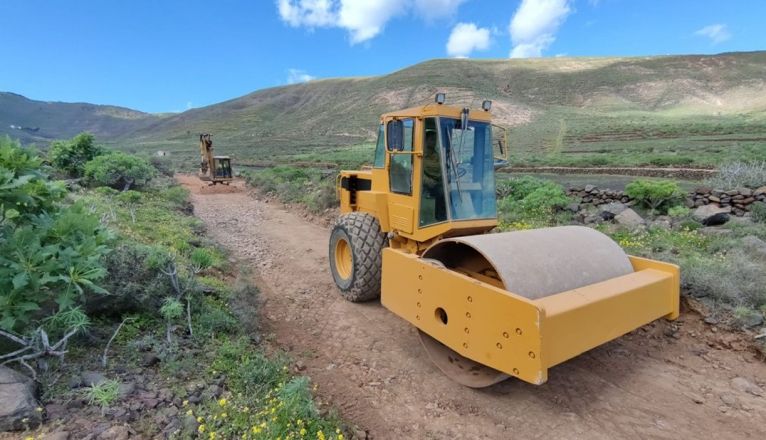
[518,336]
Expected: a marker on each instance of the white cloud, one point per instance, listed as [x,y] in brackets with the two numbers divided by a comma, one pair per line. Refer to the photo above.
[533,27]
[310,13]
[466,38]
[295,76]
[717,33]
[363,19]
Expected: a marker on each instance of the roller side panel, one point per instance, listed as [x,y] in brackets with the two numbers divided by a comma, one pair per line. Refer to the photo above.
[484,323]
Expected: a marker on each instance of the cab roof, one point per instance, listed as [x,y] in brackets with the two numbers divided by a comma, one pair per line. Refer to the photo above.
[434,109]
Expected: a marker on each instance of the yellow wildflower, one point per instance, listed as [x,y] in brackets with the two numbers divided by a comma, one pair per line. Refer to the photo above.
[222,402]
[320,435]
[201,428]
[185,403]
[340,437]
[303,432]
[189,413]
[223,415]
[200,419]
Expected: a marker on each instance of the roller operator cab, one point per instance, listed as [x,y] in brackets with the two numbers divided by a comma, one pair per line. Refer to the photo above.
[414,232]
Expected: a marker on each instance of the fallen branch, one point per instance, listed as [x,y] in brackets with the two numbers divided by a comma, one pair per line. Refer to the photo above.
[109,343]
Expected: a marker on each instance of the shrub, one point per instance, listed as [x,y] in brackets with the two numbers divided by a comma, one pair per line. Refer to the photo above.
[103,394]
[50,262]
[734,278]
[665,161]
[72,155]
[135,283]
[758,212]
[678,211]
[530,198]
[654,194]
[119,170]
[25,190]
[737,174]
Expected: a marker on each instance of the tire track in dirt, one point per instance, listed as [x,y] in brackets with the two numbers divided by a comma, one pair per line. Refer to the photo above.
[663,381]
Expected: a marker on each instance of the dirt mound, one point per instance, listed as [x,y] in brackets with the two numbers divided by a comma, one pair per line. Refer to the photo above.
[197,186]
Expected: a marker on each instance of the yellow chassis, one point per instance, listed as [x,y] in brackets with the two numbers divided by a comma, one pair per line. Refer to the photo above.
[518,336]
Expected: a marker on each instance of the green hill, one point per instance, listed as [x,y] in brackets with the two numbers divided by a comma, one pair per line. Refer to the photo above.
[668,110]
[40,122]
[567,111]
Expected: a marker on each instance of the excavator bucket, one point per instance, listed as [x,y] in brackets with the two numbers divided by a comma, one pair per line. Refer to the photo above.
[515,304]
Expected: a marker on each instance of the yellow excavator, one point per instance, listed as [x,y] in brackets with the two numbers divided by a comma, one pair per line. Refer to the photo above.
[213,169]
[415,230]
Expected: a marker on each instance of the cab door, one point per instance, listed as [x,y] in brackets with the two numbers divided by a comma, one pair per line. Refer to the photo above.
[400,151]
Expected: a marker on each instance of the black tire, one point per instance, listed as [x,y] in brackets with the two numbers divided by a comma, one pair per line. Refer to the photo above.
[361,233]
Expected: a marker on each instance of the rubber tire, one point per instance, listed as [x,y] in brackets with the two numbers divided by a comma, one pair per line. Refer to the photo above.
[363,234]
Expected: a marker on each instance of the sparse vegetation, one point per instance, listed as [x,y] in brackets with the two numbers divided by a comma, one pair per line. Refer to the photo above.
[311,187]
[740,174]
[103,394]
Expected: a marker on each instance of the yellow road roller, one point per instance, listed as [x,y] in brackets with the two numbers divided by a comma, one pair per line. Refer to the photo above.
[415,230]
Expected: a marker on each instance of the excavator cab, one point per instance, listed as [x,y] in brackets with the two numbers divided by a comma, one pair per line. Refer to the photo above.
[213,169]
[414,230]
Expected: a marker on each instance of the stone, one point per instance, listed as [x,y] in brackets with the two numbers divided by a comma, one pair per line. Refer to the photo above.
[703,212]
[117,432]
[55,411]
[126,389]
[189,425]
[703,190]
[149,359]
[629,218]
[590,188]
[573,207]
[731,192]
[91,378]
[592,219]
[614,207]
[716,219]
[18,406]
[744,385]
[748,200]
[760,191]
[58,435]
[745,191]
[606,215]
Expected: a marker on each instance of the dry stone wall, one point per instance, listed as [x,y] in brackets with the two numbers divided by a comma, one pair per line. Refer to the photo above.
[739,199]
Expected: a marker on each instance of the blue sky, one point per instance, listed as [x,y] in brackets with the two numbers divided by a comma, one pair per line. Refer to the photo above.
[171,55]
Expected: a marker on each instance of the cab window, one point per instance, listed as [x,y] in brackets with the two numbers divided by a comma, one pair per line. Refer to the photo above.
[433,205]
[400,169]
[380,149]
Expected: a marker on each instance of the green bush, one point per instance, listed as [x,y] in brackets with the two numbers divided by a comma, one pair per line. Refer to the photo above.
[25,190]
[678,211]
[665,161]
[50,263]
[72,155]
[758,212]
[530,198]
[654,194]
[118,170]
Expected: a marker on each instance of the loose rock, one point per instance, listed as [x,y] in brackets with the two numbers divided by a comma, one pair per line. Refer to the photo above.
[629,218]
[744,385]
[18,406]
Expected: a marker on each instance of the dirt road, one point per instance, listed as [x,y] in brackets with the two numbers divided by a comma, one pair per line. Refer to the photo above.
[664,381]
